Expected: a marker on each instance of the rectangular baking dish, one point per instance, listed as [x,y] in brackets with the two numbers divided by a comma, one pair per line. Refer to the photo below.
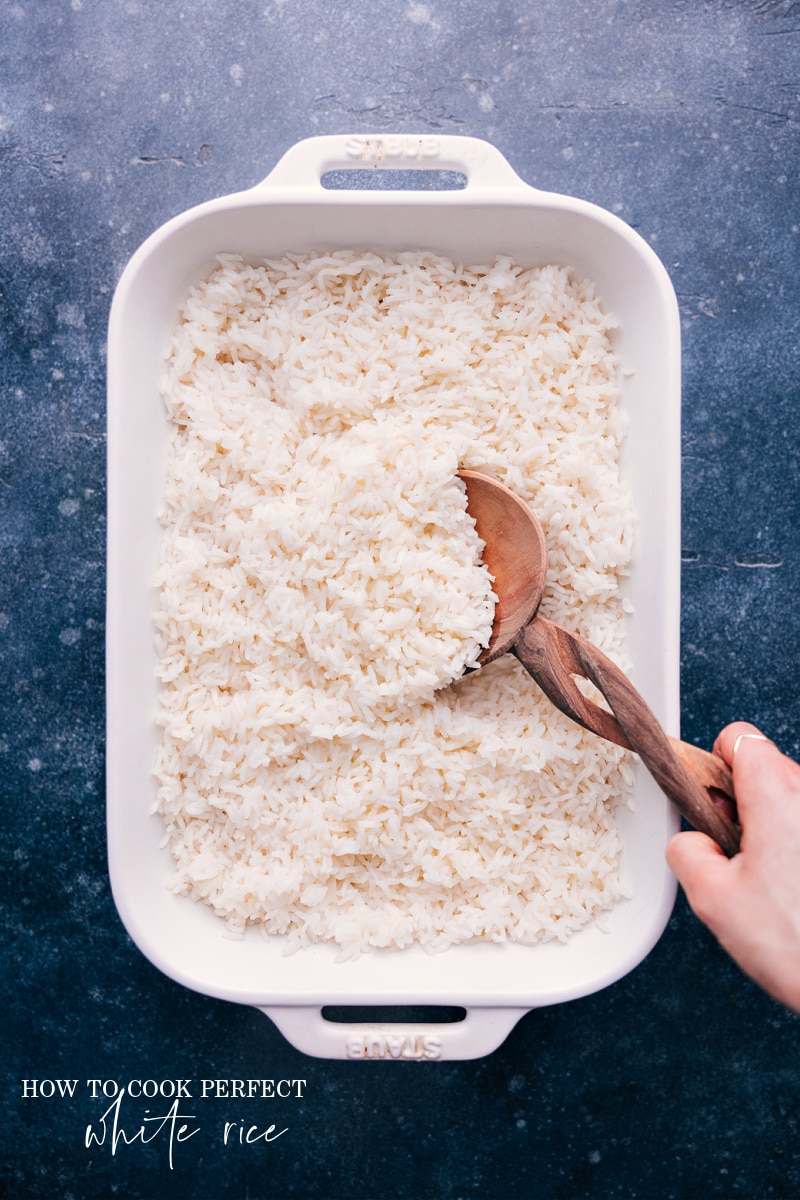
[494,213]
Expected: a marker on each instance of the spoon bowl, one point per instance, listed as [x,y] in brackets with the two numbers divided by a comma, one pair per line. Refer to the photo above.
[515,554]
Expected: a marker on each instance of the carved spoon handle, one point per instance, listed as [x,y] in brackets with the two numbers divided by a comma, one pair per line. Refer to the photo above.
[689,776]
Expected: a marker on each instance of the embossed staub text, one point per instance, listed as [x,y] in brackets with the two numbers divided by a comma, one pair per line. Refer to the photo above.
[398,147]
[417,1047]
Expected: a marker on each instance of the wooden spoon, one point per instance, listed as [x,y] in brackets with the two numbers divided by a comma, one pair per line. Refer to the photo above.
[515,553]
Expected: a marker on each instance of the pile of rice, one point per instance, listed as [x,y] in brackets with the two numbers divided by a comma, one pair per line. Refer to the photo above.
[321,586]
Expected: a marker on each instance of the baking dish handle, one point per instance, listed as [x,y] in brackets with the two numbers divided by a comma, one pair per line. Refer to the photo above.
[481,1032]
[302,166]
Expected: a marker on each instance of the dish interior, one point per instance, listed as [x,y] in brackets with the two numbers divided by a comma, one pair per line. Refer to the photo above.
[186,940]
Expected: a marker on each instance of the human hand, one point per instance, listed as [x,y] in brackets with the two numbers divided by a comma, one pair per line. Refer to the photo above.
[752,902]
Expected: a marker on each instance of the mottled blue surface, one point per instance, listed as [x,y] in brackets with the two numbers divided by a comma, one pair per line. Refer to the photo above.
[682,1080]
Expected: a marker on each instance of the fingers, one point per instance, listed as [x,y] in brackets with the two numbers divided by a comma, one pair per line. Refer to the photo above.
[761,774]
[692,855]
[703,871]
[740,737]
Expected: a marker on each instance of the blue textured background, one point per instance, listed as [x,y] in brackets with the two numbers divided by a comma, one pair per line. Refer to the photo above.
[682,1080]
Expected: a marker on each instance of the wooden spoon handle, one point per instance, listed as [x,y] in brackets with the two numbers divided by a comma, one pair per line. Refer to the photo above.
[698,783]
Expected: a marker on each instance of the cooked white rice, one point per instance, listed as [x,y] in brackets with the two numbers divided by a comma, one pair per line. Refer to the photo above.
[321,583]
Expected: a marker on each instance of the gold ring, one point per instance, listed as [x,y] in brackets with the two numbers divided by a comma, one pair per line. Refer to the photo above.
[757,737]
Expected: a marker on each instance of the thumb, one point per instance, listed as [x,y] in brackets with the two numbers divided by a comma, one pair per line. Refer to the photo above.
[702,869]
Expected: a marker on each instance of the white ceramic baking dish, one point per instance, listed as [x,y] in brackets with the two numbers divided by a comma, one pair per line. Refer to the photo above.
[494,213]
